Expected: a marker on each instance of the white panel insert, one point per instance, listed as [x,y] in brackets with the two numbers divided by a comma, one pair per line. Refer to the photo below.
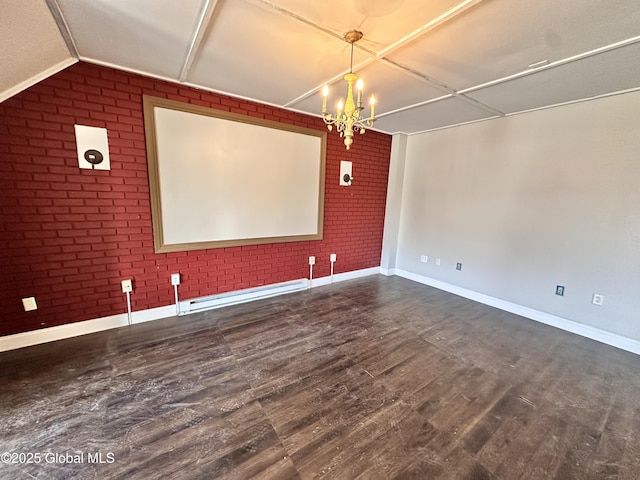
[346,169]
[93,147]
[221,179]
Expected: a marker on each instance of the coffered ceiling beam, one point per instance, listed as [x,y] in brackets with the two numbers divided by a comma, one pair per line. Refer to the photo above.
[206,13]
[378,56]
[557,63]
[56,12]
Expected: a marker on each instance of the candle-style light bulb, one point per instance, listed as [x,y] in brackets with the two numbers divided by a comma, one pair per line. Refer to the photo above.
[340,106]
[359,87]
[372,102]
[325,93]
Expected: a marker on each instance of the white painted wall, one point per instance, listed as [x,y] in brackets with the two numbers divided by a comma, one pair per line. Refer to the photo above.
[531,201]
[394,202]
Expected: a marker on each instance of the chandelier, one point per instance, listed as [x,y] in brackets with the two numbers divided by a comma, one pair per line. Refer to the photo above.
[348,115]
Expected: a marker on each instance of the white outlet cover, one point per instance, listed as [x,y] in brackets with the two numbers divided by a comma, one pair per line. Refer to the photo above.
[598,299]
[424,258]
[332,257]
[312,260]
[29,304]
[127,286]
[437,261]
[175,279]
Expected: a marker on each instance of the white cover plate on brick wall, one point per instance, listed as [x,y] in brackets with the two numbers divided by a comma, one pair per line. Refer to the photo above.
[92,138]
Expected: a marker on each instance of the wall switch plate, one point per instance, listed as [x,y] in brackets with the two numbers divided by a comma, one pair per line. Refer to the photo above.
[437,261]
[175,279]
[458,266]
[127,286]
[29,304]
[560,290]
[312,260]
[332,257]
[597,299]
[424,258]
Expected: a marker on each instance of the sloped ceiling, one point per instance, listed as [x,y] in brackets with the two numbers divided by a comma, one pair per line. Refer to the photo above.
[431,64]
[31,46]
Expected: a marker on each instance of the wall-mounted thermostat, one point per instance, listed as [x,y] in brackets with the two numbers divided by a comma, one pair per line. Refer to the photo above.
[93,147]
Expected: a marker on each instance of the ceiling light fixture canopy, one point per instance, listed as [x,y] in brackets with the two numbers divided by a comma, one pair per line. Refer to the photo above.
[348,114]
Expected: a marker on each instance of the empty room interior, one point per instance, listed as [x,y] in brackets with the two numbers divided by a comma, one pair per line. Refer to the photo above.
[285,239]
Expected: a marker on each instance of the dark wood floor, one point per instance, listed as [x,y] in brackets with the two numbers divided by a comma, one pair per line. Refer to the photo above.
[374,378]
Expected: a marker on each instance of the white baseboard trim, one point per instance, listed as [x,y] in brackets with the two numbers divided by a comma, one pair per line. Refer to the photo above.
[388,271]
[602,336]
[341,277]
[44,335]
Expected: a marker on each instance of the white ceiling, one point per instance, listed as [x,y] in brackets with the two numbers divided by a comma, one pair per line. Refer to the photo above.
[430,64]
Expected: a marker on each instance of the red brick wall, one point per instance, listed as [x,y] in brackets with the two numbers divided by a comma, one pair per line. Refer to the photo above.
[69,236]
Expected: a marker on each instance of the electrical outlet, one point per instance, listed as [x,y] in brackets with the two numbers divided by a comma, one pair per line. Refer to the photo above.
[458,266]
[175,279]
[598,299]
[127,286]
[437,261]
[29,304]
[560,290]
[332,257]
[312,260]
[424,258]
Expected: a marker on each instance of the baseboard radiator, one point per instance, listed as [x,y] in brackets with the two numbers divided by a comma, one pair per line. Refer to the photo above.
[241,296]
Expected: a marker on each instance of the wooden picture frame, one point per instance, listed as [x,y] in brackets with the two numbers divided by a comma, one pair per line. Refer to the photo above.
[221,179]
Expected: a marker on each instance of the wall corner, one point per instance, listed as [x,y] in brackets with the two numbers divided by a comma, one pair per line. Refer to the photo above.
[394,201]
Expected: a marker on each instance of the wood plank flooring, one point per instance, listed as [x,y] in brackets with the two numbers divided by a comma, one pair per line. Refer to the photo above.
[376,378]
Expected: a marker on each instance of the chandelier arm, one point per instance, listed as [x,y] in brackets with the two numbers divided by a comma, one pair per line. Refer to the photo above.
[365,122]
[328,119]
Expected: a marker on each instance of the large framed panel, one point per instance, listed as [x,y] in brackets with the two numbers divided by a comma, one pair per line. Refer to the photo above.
[222,179]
